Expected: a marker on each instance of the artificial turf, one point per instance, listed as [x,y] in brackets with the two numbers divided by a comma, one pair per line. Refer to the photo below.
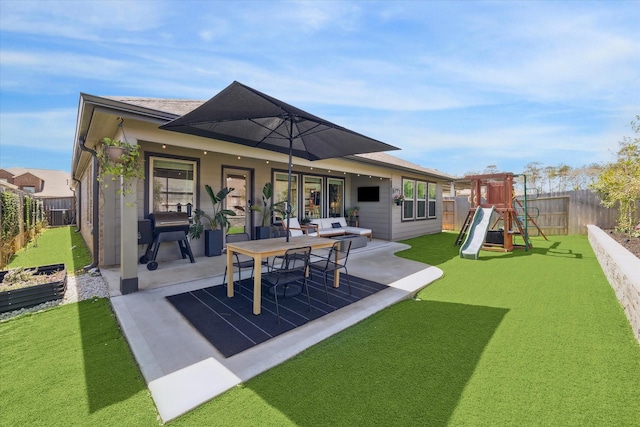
[522,338]
[57,245]
[70,365]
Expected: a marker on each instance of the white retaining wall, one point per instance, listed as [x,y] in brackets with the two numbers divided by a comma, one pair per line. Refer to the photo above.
[622,269]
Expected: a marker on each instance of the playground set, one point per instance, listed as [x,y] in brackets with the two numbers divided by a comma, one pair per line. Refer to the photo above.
[493,198]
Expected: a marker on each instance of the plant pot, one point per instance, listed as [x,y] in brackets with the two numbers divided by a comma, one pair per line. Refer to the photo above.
[115,154]
[213,242]
[263,232]
[16,299]
[398,203]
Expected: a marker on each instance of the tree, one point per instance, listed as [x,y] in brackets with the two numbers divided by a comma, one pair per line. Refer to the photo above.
[583,177]
[619,182]
[550,174]
[491,169]
[562,173]
[533,172]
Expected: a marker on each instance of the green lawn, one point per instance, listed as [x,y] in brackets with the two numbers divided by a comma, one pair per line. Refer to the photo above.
[533,338]
[59,245]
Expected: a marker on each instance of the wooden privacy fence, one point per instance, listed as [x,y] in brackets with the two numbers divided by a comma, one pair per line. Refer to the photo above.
[559,213]
[60,211]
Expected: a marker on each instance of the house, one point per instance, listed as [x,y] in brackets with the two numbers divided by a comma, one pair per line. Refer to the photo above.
[177,167]
[53,187]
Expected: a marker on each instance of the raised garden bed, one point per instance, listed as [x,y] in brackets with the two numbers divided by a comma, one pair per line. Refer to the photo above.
[28,296]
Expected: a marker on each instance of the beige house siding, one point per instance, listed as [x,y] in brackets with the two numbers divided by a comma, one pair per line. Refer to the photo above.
[377,169]
[383,217]
[412,228]
[373,215]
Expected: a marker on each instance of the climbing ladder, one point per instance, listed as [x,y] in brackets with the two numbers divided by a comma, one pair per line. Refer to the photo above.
[465,228]
[529,218]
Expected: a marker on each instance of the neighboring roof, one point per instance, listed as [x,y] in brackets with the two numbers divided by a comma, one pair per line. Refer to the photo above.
[180,107]
[56,183]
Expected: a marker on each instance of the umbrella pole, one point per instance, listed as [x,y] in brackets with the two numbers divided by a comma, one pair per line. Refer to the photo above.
[288,210]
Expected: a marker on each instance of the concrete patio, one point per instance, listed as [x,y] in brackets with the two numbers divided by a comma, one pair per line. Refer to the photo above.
[183,370]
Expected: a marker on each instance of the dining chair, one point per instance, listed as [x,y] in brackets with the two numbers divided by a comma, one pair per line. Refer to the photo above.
[295,229]
[241,261]
[335,260]
[292,270]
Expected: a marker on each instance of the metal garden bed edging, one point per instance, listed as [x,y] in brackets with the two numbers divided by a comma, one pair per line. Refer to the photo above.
[16,299]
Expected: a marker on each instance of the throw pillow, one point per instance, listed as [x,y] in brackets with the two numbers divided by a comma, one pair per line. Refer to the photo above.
[336,225]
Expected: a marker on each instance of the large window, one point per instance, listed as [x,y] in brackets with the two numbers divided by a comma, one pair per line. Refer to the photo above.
[336,197]
[280,188]
[312,191]
[408,191]
[419,199]
[433,188]
[173,184]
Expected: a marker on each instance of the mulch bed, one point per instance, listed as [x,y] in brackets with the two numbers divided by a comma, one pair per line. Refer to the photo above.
[632,244]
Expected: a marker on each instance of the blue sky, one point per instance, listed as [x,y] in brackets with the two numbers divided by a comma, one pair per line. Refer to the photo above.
[457,85]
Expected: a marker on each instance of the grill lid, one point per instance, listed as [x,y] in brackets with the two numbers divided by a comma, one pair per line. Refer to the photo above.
[169,221]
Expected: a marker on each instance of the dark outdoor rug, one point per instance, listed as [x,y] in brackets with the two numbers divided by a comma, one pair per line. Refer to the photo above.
[230,325]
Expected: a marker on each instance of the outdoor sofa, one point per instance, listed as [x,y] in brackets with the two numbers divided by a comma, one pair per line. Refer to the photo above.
[327,227]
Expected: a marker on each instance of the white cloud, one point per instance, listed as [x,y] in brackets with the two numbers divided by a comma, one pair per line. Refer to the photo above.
[83,20]
[51,130]
[451,82]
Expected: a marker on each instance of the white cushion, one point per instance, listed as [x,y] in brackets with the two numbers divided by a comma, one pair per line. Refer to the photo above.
[296,230]
[327,223]
[325,227]
[357,230]
[293,225]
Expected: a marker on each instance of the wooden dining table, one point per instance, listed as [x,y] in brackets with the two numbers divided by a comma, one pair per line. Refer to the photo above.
[265,248]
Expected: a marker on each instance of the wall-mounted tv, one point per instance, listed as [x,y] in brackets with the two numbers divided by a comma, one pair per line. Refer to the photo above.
[368,194]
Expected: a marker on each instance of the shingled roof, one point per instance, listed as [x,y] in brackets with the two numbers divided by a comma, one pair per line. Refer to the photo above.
[179,107]
[56,183]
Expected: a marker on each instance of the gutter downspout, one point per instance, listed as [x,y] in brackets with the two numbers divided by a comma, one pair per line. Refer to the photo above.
[77,195]
[96,217]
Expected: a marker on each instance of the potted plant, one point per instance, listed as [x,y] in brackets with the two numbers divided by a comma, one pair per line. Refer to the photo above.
[217,221]
[398,197]
[267,209]
[305,221]
[352,216]
[119,159]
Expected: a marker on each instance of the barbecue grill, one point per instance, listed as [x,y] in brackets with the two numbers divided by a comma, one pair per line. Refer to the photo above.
[167,227]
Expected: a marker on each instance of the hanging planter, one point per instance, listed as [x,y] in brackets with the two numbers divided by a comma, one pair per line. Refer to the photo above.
[398,197]
[116,154]
[119,159]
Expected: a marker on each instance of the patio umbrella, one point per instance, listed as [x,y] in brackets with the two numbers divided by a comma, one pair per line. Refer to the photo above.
[243,115]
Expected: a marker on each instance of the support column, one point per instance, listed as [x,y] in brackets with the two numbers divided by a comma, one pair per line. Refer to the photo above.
[129,240]
[128,232]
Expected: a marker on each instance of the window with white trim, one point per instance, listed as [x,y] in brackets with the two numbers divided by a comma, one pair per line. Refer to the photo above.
[419,199]
[408,205]
[432,194]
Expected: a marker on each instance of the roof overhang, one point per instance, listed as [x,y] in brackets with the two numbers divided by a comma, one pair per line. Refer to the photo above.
[98,117]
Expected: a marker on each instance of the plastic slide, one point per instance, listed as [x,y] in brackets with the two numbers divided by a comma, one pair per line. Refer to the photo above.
[477,233]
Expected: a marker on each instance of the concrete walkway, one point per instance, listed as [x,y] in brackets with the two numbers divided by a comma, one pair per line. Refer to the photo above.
[183,370]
